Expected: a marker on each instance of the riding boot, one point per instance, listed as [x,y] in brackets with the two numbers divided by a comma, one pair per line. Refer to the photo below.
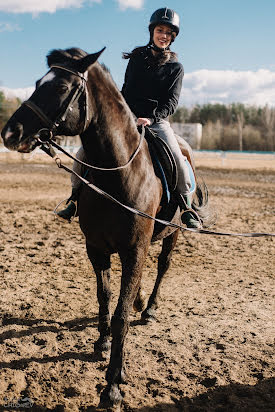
[70,211]
[189,217]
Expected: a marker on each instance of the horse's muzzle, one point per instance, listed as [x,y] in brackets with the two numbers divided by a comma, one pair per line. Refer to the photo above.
[12,135]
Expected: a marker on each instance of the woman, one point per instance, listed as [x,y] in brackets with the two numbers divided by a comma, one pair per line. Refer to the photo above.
[152,87]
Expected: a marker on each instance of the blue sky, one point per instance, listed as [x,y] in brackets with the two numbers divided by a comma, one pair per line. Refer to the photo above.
[226,47]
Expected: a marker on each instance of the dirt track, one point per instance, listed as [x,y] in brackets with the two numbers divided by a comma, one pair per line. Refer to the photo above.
[212,346]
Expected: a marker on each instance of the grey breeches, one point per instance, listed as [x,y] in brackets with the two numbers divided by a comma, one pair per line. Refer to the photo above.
[165,132]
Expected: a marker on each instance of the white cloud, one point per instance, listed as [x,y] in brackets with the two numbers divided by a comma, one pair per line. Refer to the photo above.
[35,6]
[9,27]
[212,86]
[229,86]
[51,6]
[22,94]
[134,4]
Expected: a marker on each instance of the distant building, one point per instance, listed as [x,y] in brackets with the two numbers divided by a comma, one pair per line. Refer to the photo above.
[191,132]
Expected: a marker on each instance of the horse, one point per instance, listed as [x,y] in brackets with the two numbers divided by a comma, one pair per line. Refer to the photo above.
[78,96]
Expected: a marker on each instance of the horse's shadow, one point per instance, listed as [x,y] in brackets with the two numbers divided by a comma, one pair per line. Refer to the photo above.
[231,398]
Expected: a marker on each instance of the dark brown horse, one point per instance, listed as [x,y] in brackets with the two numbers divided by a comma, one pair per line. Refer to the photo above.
[78,96]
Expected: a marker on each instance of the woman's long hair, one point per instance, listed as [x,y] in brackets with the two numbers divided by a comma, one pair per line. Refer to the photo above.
[157,59]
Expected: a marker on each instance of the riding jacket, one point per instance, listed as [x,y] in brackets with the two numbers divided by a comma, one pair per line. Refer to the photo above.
[152,91]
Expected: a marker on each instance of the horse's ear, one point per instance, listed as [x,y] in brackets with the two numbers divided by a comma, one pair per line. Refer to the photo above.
[87,61]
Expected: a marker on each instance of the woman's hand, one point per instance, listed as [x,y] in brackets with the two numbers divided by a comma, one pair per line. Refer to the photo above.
[143,121]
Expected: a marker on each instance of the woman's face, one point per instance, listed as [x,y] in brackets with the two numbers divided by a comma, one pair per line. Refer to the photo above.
[162,36]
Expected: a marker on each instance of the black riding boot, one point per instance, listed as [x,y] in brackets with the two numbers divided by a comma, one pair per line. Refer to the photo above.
[70,211]
[189,218]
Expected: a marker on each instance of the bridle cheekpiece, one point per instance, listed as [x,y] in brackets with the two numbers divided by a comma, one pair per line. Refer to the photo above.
[50,130]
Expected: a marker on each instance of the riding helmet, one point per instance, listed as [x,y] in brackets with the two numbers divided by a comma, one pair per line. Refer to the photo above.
[165,16]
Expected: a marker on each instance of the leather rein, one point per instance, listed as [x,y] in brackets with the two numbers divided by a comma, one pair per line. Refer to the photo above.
[45,138]
[47,148]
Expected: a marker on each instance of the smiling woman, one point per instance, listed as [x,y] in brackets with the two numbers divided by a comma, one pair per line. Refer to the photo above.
[152,87]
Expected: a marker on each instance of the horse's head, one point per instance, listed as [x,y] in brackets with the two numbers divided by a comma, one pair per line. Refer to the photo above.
[59,104]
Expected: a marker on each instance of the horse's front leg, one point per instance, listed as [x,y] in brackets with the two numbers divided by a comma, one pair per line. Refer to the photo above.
[132,263]
[101,264]
[149,314]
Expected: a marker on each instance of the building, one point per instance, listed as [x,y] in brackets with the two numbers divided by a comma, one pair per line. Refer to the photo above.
[191,132]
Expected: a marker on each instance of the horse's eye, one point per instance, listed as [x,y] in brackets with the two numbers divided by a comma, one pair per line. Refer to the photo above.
[62,88]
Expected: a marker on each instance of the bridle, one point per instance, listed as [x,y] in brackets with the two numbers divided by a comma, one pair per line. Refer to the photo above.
[45,135]
[50,130]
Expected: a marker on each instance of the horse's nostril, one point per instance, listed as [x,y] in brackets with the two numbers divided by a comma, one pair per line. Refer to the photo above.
[18,131]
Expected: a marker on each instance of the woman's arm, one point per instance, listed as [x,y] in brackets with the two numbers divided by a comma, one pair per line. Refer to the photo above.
[170,98]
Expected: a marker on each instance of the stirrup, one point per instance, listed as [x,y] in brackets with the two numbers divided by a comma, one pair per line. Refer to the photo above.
[69,213]
[188,219]
[189,216]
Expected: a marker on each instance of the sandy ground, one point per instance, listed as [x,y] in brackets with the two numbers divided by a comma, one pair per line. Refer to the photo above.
[212,346]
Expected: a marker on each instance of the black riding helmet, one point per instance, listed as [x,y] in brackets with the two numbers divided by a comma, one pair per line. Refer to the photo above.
[165,16]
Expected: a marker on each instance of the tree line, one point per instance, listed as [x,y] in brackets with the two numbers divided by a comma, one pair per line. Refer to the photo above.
[231,127]
[7,108]
[225,127]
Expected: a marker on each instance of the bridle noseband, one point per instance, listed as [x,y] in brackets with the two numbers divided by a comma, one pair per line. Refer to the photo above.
[50,130]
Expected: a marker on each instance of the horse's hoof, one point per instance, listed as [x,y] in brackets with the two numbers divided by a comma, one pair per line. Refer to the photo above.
[102,348]
[148,316]
[111,399]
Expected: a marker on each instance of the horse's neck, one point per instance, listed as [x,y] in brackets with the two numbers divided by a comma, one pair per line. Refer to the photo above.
[112,135]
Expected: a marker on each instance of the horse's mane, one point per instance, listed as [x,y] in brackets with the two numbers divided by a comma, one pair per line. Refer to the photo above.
[64,56]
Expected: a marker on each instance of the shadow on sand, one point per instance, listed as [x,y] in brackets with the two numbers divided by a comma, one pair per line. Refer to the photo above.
[230,398]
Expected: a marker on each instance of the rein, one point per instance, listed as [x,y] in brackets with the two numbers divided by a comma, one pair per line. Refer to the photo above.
[45,136]
[89,166]
[50,151]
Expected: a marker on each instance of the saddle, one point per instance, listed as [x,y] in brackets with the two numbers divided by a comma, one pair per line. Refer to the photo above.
[164,163]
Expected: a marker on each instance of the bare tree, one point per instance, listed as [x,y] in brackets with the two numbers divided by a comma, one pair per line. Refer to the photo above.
[268,119]
[241,122]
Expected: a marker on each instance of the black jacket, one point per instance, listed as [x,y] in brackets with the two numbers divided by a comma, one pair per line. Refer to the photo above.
[152,92]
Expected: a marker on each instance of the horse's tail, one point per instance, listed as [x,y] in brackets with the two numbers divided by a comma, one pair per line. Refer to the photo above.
[200,204]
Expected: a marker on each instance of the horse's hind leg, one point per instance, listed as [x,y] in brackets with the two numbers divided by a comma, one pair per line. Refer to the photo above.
[163,265]
[101,264]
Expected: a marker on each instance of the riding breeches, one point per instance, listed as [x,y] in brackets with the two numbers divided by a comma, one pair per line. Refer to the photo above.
[165,132]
